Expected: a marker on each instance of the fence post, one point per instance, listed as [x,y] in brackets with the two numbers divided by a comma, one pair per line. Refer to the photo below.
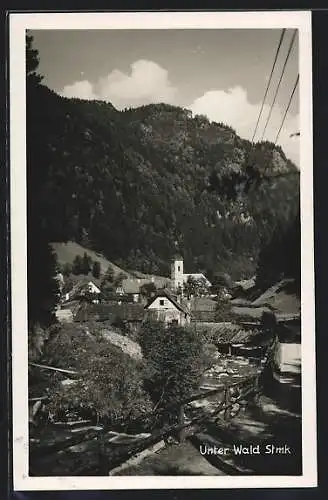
[103,463]
[256,390]
[181,422]
[227,400]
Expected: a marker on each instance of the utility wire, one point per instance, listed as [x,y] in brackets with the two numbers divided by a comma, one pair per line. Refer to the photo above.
[280,80]
[287,109]
[269,81]
[283,32]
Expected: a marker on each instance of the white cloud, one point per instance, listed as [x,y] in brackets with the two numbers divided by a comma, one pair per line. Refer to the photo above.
[146,83]
[233,108]
[82,90]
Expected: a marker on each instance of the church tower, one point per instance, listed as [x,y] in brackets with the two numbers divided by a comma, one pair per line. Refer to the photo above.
[177,272]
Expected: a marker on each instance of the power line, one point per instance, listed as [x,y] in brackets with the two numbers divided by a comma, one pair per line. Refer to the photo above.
[287,109]
[269,82]
[280,80]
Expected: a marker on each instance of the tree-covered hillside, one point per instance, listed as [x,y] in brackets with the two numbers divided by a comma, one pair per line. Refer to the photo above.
[141,184]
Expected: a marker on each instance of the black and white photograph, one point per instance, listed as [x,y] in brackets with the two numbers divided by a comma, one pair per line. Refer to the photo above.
[162,250]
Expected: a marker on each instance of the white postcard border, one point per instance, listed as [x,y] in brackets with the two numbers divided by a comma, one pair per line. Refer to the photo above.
[19,22]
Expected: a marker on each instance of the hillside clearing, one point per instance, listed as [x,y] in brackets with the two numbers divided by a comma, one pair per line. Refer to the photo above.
[66,252]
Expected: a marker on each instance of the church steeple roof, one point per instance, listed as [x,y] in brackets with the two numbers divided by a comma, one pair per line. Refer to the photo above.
[176,256]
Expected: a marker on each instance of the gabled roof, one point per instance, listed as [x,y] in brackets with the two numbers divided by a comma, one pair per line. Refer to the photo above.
[250,312]
[133,285]
[280,298]
[203,309]
[227,332]
[203,304]
[79,289]
[181,307]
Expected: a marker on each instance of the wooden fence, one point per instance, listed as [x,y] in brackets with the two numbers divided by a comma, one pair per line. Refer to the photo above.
[247,388]
[238,393]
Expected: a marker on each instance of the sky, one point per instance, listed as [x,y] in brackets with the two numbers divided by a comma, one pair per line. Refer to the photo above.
[220,73]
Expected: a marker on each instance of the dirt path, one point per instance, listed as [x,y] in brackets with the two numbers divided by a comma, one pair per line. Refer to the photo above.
[174,460]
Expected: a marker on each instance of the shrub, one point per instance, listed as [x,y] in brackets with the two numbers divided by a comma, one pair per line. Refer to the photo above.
[109,382]
[176,359]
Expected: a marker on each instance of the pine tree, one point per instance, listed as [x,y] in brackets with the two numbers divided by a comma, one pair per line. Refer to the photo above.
[77,267]
[41,263]
[281,257]
[32,63]
[96,269]
[86,263]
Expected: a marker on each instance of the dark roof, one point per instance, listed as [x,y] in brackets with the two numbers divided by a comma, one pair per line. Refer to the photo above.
[81,285]
[110,312]
[202,304]
[227,332]
[250,312]
[203,309]
[133,285]
[239,301]
[280,298]
[181,307]
[176,256]
[203,316]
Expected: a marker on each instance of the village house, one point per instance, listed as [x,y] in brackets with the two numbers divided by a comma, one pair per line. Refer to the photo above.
[130,315]
[277,299]
[82,288]
[132,287]
[163,307]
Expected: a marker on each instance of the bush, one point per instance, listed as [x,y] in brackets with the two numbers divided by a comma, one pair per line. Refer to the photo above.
[109,382]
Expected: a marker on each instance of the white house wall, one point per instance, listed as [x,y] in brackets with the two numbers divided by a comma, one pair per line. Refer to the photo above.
[168,305]
[92,288]
[167,312]
[288,357]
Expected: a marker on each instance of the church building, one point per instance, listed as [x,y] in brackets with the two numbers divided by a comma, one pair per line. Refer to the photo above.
[178,277]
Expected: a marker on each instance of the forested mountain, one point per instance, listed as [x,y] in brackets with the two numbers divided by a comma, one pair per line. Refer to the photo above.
[140,184]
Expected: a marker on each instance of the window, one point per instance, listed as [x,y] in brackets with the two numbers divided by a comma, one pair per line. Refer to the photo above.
[161,302]
[179,268]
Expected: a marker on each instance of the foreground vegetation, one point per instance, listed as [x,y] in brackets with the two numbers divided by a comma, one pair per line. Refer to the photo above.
[110,386]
